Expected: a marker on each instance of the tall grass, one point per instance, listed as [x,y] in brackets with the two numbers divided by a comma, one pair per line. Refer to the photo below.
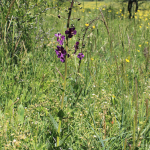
[106,101]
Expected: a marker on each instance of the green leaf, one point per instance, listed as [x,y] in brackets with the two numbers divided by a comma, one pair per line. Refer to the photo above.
[21,113]
[1,115]
[54,122]
[9,108]
[100,138]
[61,114]
[146,129]
[63,140]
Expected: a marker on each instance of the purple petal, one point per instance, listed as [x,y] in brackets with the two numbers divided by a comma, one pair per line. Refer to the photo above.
[62,59]
[66,32]
[74,32]
[58,47]
[80,56]
[77,43]
[63,37]
[64,52]
[60,42]
[58,35]
[57,52]
[62,48]
[70,36]
[76,47]
[59,55]
[57,39]
[73,28]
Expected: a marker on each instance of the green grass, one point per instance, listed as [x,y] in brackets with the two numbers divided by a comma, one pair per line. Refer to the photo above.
[106,103]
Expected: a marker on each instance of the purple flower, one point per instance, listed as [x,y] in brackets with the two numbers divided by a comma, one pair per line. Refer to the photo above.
[61,52]
[60,38]
[58,35]
[80,56]
[76,46]
[71,32]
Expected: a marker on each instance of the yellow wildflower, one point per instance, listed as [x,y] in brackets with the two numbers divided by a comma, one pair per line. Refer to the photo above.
[139,45]
[127,60]
[93,27]
[138,50]
[113,96]
[92,58]
[86,24]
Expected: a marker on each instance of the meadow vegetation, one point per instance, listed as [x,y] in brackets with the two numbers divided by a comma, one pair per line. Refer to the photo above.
[107,93]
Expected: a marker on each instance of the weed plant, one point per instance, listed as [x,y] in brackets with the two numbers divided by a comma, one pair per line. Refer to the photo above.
[107,92]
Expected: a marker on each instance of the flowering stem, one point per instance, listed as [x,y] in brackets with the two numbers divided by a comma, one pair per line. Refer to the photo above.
[64,88]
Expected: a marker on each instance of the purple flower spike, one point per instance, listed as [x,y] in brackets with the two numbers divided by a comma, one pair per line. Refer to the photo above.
[76,46]
[60,52]
[71,32]
[80,56]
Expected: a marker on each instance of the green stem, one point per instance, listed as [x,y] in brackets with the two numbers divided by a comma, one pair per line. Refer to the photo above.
[64,88]
[147,118]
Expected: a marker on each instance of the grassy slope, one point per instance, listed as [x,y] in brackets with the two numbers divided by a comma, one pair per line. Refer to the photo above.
[112,73]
